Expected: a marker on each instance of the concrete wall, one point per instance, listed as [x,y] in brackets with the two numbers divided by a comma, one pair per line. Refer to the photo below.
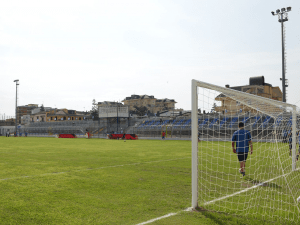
[4,129]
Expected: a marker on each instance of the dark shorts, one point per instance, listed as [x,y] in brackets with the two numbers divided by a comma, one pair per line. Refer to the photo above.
[290,146]
[242,156]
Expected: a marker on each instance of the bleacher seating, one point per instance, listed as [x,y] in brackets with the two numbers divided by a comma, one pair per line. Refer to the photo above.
[203,123]
[213,122]
[289,124]
[266,121]
[223,121]
[233,121]
[186,123]
[245,119]
[257,118]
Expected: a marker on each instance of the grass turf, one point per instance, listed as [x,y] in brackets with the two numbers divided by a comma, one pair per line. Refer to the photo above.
[98,181]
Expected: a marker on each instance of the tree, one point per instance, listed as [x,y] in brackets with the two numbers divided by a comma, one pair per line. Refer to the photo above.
[94,105]
[213,109]
[141,111]
[42,108]
[95,111]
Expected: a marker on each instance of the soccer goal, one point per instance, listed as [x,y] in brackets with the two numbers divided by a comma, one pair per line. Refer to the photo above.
[271,184]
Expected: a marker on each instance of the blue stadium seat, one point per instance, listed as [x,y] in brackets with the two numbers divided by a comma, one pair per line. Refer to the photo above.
[256,120]
[223,121]
[266,121]
[213,122]
[235,119]
[245,119]
[203,123]
[289,124]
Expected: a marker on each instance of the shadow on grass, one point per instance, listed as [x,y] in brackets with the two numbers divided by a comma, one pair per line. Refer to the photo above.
[262,184]
[221,218]
[211,215]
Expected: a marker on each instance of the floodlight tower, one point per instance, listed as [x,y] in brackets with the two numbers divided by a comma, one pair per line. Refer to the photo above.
[16,125]
[283,17]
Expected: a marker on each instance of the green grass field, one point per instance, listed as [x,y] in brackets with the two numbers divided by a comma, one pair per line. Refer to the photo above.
[271,186]
[99,181]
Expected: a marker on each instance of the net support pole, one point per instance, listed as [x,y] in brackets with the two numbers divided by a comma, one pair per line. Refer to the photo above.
[194,117]
[294,138]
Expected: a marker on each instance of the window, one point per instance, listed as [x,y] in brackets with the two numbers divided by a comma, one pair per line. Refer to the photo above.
[260,91]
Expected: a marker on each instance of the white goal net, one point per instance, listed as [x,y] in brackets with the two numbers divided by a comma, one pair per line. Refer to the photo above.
[266,184]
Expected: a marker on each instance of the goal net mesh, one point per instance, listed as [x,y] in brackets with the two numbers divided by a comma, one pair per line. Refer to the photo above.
[271,185]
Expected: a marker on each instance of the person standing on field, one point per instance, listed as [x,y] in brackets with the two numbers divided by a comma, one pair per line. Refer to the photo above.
[199,135]
[291,142]
[290,135]
[163,135]
[242,139]
[298,134]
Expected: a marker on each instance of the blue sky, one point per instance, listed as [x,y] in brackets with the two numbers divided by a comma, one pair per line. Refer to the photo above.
[67,53]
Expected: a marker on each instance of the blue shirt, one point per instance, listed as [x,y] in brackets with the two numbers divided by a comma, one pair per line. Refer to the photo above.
[242,138]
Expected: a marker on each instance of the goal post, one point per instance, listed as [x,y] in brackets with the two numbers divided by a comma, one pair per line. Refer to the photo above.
[194,134]
[270,187]
[294,119]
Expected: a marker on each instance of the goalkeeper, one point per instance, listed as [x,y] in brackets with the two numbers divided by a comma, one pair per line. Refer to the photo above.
[242,138]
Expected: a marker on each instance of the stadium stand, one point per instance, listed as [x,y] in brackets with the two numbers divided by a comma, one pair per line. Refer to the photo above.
[153,126]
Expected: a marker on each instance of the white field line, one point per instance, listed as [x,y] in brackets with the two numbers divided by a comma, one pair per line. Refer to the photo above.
[162,217]
[99,168]
[215,200]
[247,189]
[158,218]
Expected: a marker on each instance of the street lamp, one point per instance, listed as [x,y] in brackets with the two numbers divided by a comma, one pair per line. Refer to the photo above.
[283,17]
[117,116]
[17,83]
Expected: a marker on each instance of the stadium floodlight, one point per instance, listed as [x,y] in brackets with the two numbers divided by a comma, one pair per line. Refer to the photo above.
[283,17]
[267,191]
[16,120]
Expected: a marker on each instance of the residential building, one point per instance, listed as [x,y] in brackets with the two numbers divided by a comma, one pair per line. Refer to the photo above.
[149,103]
[55,115]
[257,86]
[25,110]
